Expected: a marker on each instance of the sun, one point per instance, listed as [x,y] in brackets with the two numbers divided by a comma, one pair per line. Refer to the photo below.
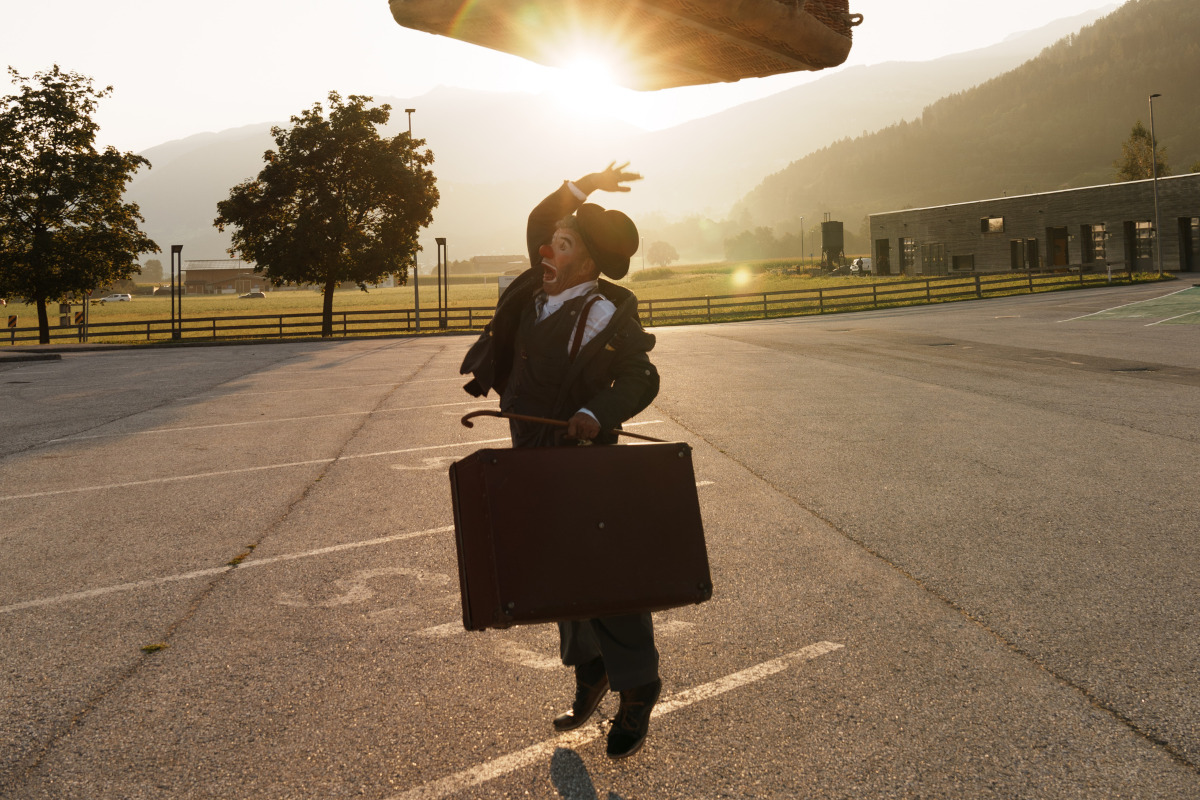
[591,71]
[588,85]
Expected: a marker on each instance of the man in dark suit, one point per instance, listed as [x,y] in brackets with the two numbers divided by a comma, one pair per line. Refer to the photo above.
[567,345]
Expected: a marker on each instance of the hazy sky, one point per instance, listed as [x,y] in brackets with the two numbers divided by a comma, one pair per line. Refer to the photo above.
[183,68]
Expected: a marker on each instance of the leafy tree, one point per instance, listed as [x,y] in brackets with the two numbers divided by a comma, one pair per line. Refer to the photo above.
[661,254]
[335,201]
[152,271]
[759,243]
[1136,156]
[63,227]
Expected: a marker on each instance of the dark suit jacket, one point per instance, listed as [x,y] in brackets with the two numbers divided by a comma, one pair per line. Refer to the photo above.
[612,376]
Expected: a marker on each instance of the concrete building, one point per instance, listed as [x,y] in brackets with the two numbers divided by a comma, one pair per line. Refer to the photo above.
[222,276]
[1094,228]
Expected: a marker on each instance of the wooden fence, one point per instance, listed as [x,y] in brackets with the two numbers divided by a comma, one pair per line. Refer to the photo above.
[676,311]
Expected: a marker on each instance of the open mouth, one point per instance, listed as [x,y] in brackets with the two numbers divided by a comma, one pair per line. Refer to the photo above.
[549,272]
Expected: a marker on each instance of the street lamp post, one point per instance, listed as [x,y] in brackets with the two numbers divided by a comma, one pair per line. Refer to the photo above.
[801,238]
[443,253]
[176,265]
[415,276]
[1154,167]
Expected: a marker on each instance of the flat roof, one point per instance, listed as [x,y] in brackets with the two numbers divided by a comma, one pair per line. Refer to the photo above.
[1194,175]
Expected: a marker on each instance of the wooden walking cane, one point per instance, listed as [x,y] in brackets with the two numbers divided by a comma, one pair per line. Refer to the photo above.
[557,423]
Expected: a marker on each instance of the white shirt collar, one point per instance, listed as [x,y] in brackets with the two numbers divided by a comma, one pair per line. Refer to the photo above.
[554,303]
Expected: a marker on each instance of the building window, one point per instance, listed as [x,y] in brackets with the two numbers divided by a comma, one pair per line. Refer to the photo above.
[908,256]
[963,263]
[1092,240]
[1024,253]
[991,225]
[1145,236]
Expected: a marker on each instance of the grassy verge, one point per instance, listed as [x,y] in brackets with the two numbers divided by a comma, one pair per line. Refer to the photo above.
[679,295]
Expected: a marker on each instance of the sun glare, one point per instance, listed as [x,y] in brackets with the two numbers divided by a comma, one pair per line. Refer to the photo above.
[588,86]
[592,72]
[741,278]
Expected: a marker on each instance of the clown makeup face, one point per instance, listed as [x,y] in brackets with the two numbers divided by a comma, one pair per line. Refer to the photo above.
[565,262]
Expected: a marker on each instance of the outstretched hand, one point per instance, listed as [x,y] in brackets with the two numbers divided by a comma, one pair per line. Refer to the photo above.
[610,180]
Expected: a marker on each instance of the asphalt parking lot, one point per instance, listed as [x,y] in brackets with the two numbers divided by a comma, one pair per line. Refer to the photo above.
[954,551]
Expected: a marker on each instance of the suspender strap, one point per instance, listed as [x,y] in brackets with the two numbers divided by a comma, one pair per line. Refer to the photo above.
[580,327]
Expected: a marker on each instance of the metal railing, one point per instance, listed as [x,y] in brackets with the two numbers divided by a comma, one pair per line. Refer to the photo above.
[675,311]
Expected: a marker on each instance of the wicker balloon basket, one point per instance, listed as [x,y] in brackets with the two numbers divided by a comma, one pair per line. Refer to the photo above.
[651,44]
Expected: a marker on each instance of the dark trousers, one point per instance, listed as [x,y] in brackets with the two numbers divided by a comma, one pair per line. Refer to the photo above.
[625,642]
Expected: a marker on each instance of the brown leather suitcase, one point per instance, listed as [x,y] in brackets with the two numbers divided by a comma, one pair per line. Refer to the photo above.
[559,533]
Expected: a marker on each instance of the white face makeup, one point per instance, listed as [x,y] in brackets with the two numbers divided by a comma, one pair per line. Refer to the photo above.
[565,262]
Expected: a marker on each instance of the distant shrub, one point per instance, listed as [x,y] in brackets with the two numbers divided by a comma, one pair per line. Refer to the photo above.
[653,274]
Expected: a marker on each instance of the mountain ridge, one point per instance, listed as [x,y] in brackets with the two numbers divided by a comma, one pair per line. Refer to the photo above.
[492,164]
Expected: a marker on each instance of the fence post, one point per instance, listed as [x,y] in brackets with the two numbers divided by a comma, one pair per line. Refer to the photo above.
[765,305]
[650,312]
[1029,275]
[820,300]
[214,322]
[875,295]
[708,306]
[978,288]
[928,291]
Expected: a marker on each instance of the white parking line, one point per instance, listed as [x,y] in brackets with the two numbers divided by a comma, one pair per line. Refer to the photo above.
[1125,305]
[242,470]
[504,765]
[1168,319]
[204,573]
[307,371]
[220,473]
[268,421]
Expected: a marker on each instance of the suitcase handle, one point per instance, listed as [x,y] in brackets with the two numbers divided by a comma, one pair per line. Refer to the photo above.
[558,423]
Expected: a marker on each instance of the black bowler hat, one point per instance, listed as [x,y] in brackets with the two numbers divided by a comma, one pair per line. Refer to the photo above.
[610,238]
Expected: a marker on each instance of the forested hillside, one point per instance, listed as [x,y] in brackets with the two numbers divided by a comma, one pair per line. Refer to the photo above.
[1056,122]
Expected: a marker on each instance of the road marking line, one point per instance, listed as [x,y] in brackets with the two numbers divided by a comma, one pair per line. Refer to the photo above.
[266,421]
[1125,305]
[504,765]
[242,470]
[221,473]
[307,371]
[204,573]
[443,631]
[150,481]
[515,654]
[1168,319]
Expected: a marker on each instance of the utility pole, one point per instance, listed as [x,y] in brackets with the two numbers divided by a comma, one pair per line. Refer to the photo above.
[415,277]
[1154,167]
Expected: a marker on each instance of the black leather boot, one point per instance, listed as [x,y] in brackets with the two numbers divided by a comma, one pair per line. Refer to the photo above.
[632,723]
[591,684]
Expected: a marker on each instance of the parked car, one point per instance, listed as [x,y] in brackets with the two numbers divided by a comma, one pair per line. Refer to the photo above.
[861,266]
[116,298]
[253,295]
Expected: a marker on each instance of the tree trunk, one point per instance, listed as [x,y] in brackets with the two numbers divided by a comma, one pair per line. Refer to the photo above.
[327,309]
[43,322]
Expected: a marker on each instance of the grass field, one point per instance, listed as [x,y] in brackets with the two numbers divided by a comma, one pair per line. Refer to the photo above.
[676,295]
[650,284]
